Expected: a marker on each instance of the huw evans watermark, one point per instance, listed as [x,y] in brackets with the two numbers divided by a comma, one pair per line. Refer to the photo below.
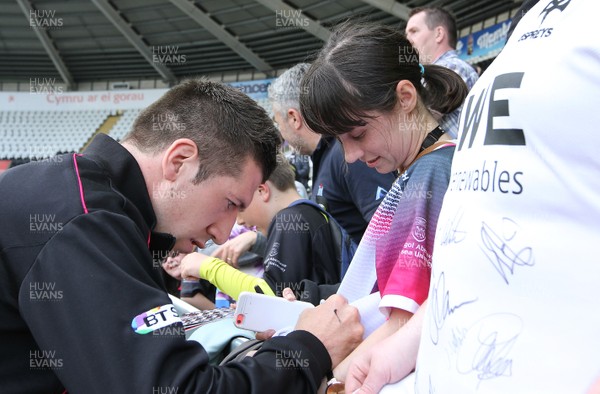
[172,331]
[167,122]
[293,286]
[44,19]
[44,86]
[166,190]
[39,154]
[407,54]
[44,359]
[290,359]
[290,19]
[291,222]
[159,257]
[44,223]
[165,389]
[168,54]
[44,291]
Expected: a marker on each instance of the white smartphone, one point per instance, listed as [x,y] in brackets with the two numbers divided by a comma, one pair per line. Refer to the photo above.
[260,312]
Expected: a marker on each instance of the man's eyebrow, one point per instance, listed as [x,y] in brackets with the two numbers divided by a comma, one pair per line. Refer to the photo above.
[240,204]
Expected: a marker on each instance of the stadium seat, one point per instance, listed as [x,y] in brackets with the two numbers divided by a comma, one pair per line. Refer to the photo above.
[43,134]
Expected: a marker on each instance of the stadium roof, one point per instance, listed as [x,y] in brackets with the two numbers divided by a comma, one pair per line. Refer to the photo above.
[97,40]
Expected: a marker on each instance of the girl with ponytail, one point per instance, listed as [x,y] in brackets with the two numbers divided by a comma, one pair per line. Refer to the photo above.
[367,89]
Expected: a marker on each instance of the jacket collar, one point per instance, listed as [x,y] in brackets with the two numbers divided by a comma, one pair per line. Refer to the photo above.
[127,178]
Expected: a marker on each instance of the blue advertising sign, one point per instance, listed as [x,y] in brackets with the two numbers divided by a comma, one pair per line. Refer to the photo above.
[255,89]
[484,44]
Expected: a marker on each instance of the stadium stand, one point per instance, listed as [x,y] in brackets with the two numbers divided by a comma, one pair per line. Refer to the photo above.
[37,135]
[124,124]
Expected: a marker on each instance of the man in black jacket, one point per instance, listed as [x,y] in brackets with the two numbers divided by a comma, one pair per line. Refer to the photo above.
[82,237]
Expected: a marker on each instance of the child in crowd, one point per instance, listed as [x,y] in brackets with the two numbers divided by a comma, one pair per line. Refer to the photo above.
[381,107]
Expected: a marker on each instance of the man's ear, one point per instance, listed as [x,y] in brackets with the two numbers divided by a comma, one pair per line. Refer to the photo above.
[440,34]
[407,96]
[179,158]
[264,191]
[294,118]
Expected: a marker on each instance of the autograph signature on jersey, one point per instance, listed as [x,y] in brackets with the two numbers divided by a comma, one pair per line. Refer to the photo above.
[503,249]
[487,345]
[441,308]
[451,233]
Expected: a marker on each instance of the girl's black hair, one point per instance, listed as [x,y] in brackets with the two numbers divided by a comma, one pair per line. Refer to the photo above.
[357,71]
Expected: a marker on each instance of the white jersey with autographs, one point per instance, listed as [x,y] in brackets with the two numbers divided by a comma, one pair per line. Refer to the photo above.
[514,302]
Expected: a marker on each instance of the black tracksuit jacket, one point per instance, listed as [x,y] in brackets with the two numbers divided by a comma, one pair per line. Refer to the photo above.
[79,262]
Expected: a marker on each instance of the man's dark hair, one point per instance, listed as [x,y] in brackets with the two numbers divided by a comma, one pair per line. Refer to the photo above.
[226,125]
[437,16]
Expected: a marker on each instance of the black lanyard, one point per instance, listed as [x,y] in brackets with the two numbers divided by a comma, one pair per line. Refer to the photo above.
[431,138]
